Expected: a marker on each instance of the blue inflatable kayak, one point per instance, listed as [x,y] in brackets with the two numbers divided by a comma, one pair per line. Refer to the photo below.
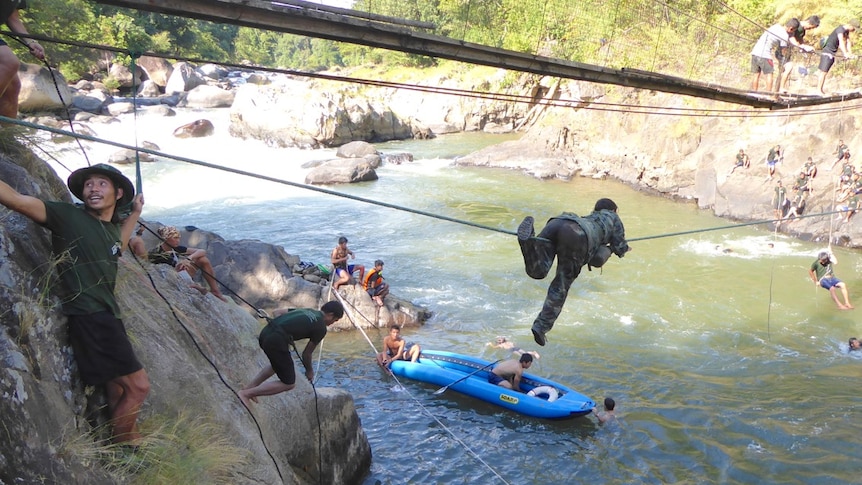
[541,398]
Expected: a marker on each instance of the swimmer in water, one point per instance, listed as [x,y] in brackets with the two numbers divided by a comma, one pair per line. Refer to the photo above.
[506,344]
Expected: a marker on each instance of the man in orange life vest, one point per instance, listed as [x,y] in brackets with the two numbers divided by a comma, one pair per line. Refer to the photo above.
[374,283]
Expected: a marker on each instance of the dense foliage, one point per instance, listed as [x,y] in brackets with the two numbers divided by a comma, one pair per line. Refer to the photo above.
[683,37]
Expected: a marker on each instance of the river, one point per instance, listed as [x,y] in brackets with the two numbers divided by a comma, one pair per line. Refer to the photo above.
[727,367]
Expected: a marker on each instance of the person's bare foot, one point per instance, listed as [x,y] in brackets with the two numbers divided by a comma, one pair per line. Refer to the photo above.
[218,295]
[199,288]
[842,307]
[378,301]
[849,306]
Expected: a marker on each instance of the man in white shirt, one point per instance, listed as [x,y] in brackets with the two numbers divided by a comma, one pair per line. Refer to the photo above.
[764,55]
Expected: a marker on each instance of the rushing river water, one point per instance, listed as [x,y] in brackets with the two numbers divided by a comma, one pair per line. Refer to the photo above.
[727,367]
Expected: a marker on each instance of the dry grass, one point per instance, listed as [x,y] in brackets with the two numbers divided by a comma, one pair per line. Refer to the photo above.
[182,450]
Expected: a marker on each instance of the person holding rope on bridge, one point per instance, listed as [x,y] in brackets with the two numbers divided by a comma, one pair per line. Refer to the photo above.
[88,242]
[574,241]
[796,38]
[276,340]
[10,83]
[839,39]
[764,55]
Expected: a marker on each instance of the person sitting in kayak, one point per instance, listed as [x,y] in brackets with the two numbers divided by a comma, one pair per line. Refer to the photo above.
[506,344]
[508,373]
[575,242]
[396,348]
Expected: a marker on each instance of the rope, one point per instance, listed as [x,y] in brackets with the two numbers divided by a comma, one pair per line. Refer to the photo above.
[419,403]
[566,103]
[44,61]
[259,311]
[211,363]
[357,198]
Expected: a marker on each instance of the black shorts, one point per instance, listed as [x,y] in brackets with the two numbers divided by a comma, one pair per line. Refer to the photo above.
[102,348]
[826,61]
[376,290]
[277,350]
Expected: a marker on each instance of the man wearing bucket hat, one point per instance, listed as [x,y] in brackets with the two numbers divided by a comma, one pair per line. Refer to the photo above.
[574,241]
[94,239]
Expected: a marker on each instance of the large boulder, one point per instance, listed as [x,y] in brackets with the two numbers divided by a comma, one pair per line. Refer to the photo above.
[39,87]
[268,277]
[195,129]
[207,96]
[91,102]
[157,69]
[124,75]
[196,349]
[212,71]
[298,114]
[356,149]
[149,89]
[342,171]
[183,78]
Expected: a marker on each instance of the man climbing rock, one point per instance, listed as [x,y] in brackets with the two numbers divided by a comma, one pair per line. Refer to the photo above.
[574,241]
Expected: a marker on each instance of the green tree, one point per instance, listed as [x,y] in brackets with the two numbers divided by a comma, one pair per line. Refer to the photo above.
[71,20]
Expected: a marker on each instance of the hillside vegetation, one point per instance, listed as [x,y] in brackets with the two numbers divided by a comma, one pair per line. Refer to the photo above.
[703,40]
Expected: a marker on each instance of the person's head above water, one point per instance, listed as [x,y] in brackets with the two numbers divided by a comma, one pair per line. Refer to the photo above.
[605,204]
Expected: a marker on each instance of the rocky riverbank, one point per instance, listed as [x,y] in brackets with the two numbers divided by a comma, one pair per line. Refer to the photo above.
[197,351]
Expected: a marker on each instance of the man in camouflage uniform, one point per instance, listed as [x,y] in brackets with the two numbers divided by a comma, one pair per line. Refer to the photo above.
[575,242]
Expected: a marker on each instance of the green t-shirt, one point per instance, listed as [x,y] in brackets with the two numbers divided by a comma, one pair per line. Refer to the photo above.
[303,323]
[821,270]
[89,273]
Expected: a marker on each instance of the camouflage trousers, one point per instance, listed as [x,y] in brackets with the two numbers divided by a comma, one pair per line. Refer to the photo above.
[566,241]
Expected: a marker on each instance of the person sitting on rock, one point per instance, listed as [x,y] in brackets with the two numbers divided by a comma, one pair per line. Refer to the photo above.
[374,283]
[186,260]
[344,271]
[810,168]
[775,155]
[742,160]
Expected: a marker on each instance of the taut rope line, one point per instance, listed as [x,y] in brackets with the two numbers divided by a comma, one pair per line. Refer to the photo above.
[322,190]
[449,431]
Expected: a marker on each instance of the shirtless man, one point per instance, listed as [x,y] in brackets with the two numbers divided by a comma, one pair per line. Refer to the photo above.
[506,344]
[508,373]
[608,414]
[394,348]
[339,258]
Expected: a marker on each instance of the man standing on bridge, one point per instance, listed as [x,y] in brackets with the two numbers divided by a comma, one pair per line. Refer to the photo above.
[764,55]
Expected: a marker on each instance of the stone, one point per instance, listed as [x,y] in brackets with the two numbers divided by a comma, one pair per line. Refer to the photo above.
[157,69]
[356,149]
[46,412]
[39,87]
[149,89]
[183,78]
[209,97]
[341,171]
[195,129]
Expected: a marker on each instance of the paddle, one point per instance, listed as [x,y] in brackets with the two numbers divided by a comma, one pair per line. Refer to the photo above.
[443,389]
